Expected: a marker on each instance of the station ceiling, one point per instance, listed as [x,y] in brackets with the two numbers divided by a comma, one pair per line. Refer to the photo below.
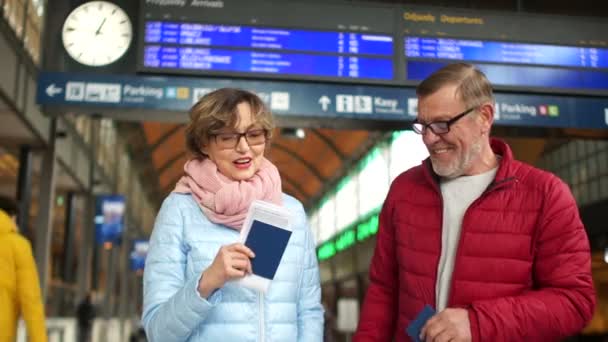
[311,166]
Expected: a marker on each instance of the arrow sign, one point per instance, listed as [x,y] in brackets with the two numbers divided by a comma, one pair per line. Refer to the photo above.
[324,101]
[52,90]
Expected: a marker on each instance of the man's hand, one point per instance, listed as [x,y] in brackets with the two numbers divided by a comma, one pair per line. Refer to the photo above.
[450,325]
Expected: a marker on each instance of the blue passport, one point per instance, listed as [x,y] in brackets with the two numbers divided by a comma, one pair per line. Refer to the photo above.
[268,243]
[413,330]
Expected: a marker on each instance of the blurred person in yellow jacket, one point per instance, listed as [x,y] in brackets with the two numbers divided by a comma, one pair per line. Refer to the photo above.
[19,286]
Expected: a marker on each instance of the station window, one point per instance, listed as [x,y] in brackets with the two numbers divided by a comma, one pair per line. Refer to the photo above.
[347,202]
[406,151]
[373,182]
[582,164]
[327,220]
[14,14]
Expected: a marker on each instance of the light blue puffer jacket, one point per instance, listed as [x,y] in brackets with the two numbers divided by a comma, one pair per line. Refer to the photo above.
[184,243]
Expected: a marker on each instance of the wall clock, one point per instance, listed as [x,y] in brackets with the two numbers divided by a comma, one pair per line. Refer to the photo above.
[97,33]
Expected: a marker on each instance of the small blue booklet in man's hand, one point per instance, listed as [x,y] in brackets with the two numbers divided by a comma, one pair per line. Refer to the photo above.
[413,330]
[266,231]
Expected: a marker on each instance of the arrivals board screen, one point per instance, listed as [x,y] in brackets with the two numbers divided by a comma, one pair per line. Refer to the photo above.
[199,48]
[267,38]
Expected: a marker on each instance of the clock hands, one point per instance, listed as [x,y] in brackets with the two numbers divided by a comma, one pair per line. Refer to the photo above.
[100,26]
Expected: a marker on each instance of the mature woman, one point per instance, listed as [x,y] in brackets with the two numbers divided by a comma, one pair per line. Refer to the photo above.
[193,255]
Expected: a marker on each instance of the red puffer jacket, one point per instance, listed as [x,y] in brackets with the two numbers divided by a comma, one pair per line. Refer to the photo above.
[522,268]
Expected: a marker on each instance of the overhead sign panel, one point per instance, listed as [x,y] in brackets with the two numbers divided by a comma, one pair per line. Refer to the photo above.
[93,92]
[360,62]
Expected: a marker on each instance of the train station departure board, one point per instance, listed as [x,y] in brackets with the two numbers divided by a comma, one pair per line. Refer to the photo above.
[513,64]
[370,43]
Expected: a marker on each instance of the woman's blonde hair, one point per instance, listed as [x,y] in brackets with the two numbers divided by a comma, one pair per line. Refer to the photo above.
[218,110]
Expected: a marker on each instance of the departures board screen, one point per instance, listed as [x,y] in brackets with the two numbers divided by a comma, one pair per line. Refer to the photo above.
[505,52]
[512,64]
[370,44]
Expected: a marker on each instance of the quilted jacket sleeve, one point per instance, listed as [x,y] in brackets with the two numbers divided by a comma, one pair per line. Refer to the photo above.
[310,310]
[564,299]
[379,313]
[173,307]
[28,287]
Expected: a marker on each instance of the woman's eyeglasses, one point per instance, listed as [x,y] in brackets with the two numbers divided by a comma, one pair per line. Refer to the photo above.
[439,127]
[253,137]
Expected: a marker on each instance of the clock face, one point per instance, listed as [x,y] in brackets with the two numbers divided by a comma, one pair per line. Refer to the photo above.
[97,33]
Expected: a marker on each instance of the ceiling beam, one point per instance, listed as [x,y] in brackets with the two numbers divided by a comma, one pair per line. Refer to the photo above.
[294,184]
[297,157]
[164,138]
[170,162]
[171,184]
[330,143]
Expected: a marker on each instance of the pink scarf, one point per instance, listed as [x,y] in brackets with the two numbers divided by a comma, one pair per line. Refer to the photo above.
[225,201]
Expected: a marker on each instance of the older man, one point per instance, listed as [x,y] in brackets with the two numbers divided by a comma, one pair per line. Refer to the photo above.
[495,245]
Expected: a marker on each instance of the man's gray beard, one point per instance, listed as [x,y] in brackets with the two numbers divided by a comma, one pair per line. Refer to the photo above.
[458,170]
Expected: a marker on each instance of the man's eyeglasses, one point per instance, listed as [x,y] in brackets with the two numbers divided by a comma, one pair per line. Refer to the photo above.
[253,137]
[439,127]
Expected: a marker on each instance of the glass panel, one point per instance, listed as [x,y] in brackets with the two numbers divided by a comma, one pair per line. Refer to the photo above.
[314,226]
[581,149]
[604,187]
[583,194]
[82,126]
[602,163]
[565,175]
[564,154]
[576,194]
[592,164]
[572,153]
[347,203]
[327,220]
[594,191]
[373,182]
[13,12]
[32,33]
[406,151]
[124,170]
[582,171]
[573,179]
[591,146]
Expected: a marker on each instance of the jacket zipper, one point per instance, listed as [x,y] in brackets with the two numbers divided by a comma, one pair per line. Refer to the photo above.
[261,307]
[493,187]
[435,184]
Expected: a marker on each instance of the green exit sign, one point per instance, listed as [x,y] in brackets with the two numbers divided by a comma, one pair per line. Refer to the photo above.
[326,251]
[367,228]
[357,233]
